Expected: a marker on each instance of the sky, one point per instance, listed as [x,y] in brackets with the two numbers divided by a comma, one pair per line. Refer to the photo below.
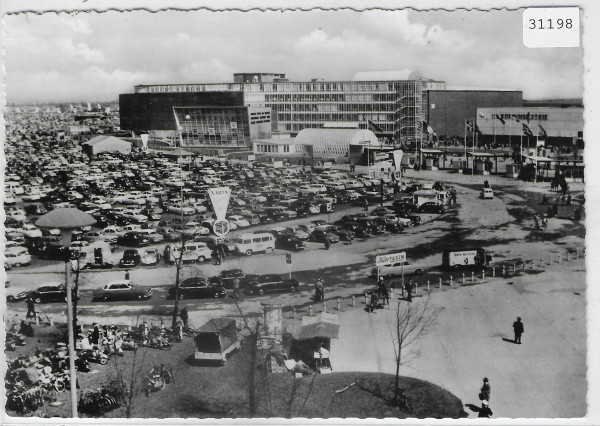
[95,56]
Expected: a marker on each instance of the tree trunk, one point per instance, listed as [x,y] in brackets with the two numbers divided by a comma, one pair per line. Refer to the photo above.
[397,378]
[252,372]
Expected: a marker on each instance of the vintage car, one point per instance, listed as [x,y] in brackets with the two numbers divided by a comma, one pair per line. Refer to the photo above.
[150,256]
[262,284]
[122,290]
[197,288]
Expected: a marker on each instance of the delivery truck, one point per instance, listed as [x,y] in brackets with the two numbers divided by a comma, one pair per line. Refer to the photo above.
[466,258]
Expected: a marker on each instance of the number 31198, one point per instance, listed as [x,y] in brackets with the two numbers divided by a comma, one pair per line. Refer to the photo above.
[538,24]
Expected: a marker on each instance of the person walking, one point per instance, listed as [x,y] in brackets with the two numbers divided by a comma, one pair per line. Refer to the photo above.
[485,411]
[327,243]
[127,275]
[366,205]
[236,288]
[319,290]
[484,394]
[519,329]
[30,308]
[383,291]
[184,317]
[408,287]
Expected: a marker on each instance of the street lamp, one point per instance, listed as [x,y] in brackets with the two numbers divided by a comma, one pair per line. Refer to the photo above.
[66,220]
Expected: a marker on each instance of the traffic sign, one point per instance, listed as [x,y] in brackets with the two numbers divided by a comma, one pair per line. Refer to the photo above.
[288,258]
[397,175]
[221,227]
[386,259]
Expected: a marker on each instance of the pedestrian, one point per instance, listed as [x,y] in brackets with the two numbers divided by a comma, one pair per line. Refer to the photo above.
[519,329]
[327,243]
[127,275]
[184,317]
[408,287]
[568,201]
[236,288]
[536,219]
[374,302]
[30,308]
[366,205]
[544,200]
[319,290]
[95,334]
[484,394]
[485,411]
[383,291]
[544,223]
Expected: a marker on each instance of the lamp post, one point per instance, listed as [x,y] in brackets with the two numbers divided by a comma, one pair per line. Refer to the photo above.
[66,220]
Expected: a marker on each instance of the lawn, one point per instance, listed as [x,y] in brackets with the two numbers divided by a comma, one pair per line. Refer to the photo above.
[202,391]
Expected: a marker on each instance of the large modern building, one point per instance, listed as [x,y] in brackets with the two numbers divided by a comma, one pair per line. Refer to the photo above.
[392,103]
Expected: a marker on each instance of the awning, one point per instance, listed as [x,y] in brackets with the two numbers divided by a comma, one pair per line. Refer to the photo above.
[320,329]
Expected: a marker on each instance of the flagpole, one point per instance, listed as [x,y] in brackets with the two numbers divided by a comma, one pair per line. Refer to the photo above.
[494,132]
[510,132]
[466,161]
[473,159]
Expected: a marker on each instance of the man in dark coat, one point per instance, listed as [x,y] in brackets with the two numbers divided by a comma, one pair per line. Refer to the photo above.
[30,307]
[519,329]
[184,317]
[485,390]
[408,287]
[327,243]
[383,291]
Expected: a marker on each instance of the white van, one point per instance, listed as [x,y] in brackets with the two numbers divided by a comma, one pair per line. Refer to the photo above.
[192,252]
[252,243]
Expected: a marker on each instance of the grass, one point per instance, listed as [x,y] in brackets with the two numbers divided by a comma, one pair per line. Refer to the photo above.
[202,391]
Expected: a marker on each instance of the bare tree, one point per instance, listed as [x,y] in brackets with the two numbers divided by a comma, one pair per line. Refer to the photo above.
[130,378]
[413,320]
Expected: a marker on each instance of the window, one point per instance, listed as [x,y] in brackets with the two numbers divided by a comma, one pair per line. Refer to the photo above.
[266,239]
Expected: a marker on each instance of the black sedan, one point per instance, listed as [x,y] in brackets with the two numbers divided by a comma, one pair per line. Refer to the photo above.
[197,288]
[289,242]
[431,207]
[131,258]
[134,239]
[343,234]
[49,293]
[272,283]
[359,230]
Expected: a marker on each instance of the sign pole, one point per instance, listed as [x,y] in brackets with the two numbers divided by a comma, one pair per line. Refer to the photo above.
[290,270]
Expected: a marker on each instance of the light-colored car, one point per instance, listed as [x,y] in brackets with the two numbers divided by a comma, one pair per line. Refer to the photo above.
[16,258]
[397,269]
[486,193]
[150,256]
[240,221]
[30,230]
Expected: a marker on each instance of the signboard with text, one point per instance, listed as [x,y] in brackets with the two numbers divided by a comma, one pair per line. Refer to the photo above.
[387,259]
[219,197]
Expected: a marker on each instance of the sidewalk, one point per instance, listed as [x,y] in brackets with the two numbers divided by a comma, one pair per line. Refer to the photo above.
[543,377]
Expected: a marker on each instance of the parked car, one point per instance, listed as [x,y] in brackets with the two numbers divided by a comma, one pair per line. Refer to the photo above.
[17,258]
[271,283]
[131,259]
[150,256]
[486,193]
[197,288]
[134,239]
[360,231]
[122,290]
[50,292]
[431,207]
[321,232]
[289,242]
[342,233]
[227,276]
[396,270]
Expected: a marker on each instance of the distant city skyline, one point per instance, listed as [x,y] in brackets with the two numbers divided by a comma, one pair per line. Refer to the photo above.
[94,57]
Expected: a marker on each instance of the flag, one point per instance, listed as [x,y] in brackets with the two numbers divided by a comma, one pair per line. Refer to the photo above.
[374,127]
[542,133]
[501,119]
[526,130]
[469,126]
[514,117]
[428,128]
[482,115]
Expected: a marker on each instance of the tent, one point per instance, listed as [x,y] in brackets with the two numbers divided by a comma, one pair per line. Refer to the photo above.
[103,143]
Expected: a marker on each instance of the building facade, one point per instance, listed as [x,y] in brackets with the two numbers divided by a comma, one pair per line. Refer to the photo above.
[223,128]
[395,107]
[448,110]
[553,125]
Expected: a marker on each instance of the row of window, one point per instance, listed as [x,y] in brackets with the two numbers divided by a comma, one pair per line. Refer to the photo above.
[271,148]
